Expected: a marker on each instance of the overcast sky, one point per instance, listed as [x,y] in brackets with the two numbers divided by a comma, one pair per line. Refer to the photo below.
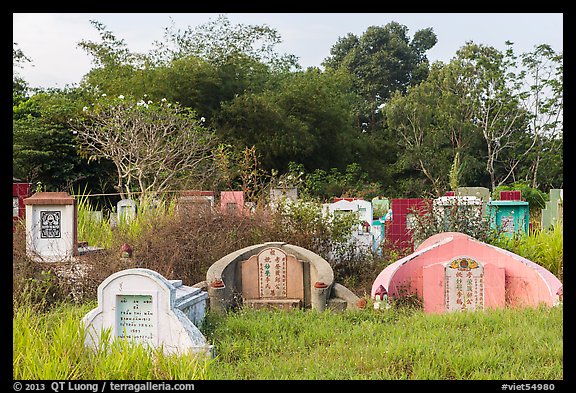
[50,40]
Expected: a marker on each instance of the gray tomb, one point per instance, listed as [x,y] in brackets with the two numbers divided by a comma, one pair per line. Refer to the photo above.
[142,306]
[126,209]
[552,214]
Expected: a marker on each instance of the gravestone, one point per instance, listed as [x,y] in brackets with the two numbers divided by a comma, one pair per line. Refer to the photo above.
[279,194]
[464,285]
[553,212]
[510,216]
[452,271]
[51,228]
[95,216]
[232,202]
[142,306]
[192,201]
[126,209]
[273,277]
[275,274]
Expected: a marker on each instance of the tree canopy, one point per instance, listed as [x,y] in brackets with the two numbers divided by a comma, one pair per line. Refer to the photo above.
[379,119]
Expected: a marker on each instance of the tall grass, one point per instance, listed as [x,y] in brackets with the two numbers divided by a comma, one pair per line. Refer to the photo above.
[399,343]
[103,233]
[51,346]
[394,344]
[546,248]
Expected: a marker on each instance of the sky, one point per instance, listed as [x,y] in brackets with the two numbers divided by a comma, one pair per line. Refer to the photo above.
[51,40]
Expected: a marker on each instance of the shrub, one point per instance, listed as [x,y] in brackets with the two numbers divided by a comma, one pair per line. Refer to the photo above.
[459,216]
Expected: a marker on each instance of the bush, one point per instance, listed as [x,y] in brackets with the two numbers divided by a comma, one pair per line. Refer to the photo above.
[458,217]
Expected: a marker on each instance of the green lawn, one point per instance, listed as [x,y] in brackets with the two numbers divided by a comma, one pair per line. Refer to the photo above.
[524,344]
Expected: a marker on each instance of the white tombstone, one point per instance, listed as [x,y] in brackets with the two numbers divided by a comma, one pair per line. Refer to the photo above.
[51,229]
[363,236]
[126,209]
[142,306]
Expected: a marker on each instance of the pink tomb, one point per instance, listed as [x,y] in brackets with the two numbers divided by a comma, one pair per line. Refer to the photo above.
[452,271]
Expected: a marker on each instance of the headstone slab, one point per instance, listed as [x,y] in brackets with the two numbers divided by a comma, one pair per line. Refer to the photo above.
[126,210]
[273,275]
[464,284]
[142,306]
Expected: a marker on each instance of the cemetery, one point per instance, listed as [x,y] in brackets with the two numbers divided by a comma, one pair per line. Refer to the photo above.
[143,303]
[213,209]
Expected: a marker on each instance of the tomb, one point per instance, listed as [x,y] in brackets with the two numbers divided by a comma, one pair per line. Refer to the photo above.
[51,227]
[469,207]
[479,192]
[365,235]
[142,306]
[126,210]
[398,229]
[275,274]
[452,271]
[232,202]
[20,191]
[509,216]
[279,194]
[195,201]
[553,212]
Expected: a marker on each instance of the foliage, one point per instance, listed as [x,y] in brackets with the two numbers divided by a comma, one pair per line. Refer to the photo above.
[51,346]
[218,40]
[399,343]
[486,118]
[459,216]
[546,248]
[383,60]
[544,102]
[44,145]
[536,199]
[302,117]
[321,185]
[154,146]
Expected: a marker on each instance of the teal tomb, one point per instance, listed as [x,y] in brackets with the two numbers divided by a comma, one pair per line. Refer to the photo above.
[511,217]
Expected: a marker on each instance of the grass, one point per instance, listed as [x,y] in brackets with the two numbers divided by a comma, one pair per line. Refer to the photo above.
[50,346]
[102,234]
[396,344]
[546,248]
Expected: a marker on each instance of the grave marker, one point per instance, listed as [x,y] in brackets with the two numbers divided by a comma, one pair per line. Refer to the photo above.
[142,306]
[464,285]
[126,209]
[51,228]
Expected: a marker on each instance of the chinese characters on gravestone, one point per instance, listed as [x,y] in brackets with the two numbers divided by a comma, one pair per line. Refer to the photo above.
[464,285]
[272,273]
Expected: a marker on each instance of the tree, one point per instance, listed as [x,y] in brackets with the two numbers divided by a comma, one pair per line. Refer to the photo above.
[492,93]
[542,71]
[19,85]
[432,124]
[153,145]
[303,117]
[383,60]
[44,146]
[218,41]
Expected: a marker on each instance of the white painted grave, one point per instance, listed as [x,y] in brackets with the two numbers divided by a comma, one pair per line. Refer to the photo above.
[142,306]
[51,227]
